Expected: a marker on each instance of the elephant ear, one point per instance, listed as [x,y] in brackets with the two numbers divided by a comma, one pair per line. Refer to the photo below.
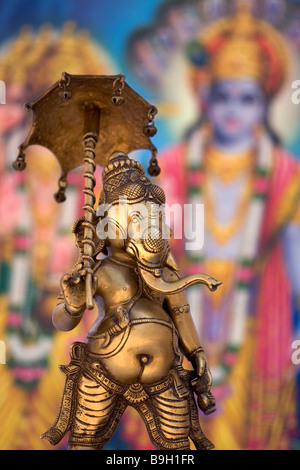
[171,263]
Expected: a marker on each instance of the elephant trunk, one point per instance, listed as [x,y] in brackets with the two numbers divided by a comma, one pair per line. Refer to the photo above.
[158,284]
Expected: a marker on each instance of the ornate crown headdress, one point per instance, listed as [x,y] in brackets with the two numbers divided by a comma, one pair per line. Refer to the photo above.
[36,59]
[243,46]
[125,178]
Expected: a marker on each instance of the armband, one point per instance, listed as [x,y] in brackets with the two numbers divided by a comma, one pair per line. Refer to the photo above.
[193,354]
[179,310]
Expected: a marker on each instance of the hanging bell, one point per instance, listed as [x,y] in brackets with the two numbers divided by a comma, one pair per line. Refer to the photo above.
[60,196]
[19,164]
[64,83]
[154,169]
[150,130]
[118,86]
[65,95]
[117,100]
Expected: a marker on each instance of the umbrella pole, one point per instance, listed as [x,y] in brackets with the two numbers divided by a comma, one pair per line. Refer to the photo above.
[90,139]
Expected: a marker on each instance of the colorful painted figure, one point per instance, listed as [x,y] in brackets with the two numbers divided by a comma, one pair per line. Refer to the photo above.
[233,162]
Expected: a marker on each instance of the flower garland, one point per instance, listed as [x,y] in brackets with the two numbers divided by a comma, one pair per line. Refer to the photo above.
[251,235]
[29,344]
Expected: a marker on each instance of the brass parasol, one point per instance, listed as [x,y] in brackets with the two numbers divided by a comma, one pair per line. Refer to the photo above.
[84,119]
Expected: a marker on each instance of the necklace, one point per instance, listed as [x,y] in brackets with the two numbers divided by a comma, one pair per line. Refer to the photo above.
[224,232]
[123,262]
[244,269]
[228,167]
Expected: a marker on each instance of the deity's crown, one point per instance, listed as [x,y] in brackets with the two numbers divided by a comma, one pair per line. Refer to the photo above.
[38,58]
[243,46]
[124,177]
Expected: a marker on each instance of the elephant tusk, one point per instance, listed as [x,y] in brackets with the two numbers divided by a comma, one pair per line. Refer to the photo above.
[158,284]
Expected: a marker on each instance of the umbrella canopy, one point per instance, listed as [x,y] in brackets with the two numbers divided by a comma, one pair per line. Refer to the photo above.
[126,122]
[85,119]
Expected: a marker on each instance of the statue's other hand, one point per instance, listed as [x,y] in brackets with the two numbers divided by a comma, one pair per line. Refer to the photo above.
[202,385]
[203,382]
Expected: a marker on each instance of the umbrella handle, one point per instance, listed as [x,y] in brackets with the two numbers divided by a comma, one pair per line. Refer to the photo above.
[91,129]
[89,214]
[89,291]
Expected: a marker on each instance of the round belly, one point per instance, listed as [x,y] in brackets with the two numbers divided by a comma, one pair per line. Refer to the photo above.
[147,356]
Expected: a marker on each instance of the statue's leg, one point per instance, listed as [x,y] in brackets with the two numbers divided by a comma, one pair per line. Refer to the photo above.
[70,447]
[96,416]
[197,436]
[167,417]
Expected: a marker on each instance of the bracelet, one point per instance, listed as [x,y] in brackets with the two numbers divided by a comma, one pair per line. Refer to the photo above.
[72,315]
[198,350]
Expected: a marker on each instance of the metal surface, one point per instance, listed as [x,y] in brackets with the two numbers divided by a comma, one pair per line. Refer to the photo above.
[134,351]
[59,119]
[67,122]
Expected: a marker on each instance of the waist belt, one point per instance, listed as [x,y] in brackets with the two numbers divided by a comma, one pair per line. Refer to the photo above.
[137,392]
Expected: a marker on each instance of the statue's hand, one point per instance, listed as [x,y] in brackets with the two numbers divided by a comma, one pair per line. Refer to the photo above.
[202,384]
[73,288]
[204,377]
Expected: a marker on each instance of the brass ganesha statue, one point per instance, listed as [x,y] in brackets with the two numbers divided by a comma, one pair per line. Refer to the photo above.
[134,352]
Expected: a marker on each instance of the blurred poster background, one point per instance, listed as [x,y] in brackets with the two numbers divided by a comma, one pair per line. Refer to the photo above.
[177,55]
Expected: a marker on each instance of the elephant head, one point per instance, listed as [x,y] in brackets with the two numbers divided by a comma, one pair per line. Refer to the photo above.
[135,223]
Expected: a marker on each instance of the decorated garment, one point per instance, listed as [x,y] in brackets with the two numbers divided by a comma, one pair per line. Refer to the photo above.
[248,331]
